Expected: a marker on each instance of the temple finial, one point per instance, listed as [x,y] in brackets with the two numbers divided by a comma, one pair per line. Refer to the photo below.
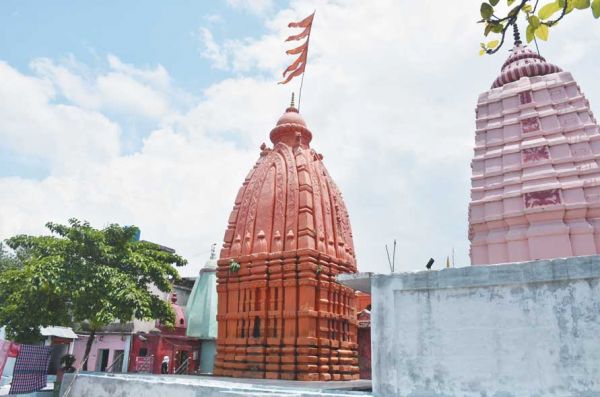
[516,34]
[292,105]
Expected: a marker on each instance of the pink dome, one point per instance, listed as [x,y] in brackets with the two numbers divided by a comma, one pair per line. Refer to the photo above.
[179,316]
[291,116]
[291,129]
[179,313]
[180,321]
[523,62]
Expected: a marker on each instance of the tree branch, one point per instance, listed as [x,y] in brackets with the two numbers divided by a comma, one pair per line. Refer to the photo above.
[563,13]
[512,19]
[508,24]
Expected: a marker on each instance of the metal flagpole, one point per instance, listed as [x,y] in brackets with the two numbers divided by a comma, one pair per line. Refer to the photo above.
[305,61]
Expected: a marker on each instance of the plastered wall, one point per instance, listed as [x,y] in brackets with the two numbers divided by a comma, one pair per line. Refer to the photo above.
[530,329]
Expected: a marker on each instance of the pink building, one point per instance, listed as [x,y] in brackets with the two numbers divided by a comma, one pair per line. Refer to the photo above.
[536,181]
[109,351]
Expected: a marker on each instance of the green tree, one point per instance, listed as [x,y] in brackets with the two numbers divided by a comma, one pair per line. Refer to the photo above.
[80,274]
[8,260]
[540,16]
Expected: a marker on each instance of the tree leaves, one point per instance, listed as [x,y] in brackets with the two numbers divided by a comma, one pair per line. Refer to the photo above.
[8,260]
[596,8]
[87,275]
[513,12]
[581,4]
[529,34]
[534,21]
[548,15]
[493,44]
[570,5]
[495,27]
[542,32]
[549,9]
[486,10]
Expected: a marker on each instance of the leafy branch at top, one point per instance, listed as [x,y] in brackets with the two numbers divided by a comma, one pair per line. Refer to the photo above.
[537,25]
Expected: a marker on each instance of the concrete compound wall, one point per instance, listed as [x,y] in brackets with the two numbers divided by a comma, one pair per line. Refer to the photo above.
[529,329]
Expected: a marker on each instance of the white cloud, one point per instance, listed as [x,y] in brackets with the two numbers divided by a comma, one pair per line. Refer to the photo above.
[157,77]
[389,95]
[124,88]
[254,6]
[127,95]
[213,18]
[68,137]
[172,189]
[212,51]
[76,87]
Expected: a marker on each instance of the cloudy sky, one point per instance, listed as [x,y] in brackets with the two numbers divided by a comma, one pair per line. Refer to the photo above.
[151,113]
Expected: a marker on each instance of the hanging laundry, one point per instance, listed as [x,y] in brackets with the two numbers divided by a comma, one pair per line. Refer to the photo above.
[31,369]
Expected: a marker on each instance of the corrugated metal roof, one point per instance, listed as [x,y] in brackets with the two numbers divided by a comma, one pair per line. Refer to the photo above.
[61,332]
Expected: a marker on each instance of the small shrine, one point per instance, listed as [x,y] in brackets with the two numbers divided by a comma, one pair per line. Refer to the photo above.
[201,314]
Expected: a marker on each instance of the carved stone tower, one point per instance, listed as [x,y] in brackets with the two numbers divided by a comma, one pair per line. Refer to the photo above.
[536,177]
[281,314]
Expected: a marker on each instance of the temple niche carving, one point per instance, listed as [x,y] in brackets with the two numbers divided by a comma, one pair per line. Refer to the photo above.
[281,315]
[536,181]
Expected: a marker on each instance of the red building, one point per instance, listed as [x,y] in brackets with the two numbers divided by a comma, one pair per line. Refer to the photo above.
[364,342]
[149,349]
[281,314]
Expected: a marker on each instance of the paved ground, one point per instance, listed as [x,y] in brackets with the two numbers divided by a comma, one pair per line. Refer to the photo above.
[97,384]
[357,385]
[246,384]
[5,389]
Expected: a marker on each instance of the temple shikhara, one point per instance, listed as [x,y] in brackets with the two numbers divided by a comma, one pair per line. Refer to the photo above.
[536,181]
[281,315]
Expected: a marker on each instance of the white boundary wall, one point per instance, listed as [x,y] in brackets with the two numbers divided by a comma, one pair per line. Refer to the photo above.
[528,329]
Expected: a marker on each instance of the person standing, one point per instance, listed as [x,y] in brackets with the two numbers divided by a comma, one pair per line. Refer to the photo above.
[164,367]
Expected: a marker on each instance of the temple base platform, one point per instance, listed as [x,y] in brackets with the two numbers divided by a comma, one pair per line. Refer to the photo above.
[99,384]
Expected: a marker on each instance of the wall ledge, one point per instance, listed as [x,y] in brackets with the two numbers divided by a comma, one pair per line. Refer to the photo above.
[539,271]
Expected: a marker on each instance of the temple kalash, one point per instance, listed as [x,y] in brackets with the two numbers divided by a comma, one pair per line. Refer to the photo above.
[281,315]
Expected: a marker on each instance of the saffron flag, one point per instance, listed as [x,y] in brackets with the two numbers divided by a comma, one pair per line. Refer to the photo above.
[297,67]
[305,23]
